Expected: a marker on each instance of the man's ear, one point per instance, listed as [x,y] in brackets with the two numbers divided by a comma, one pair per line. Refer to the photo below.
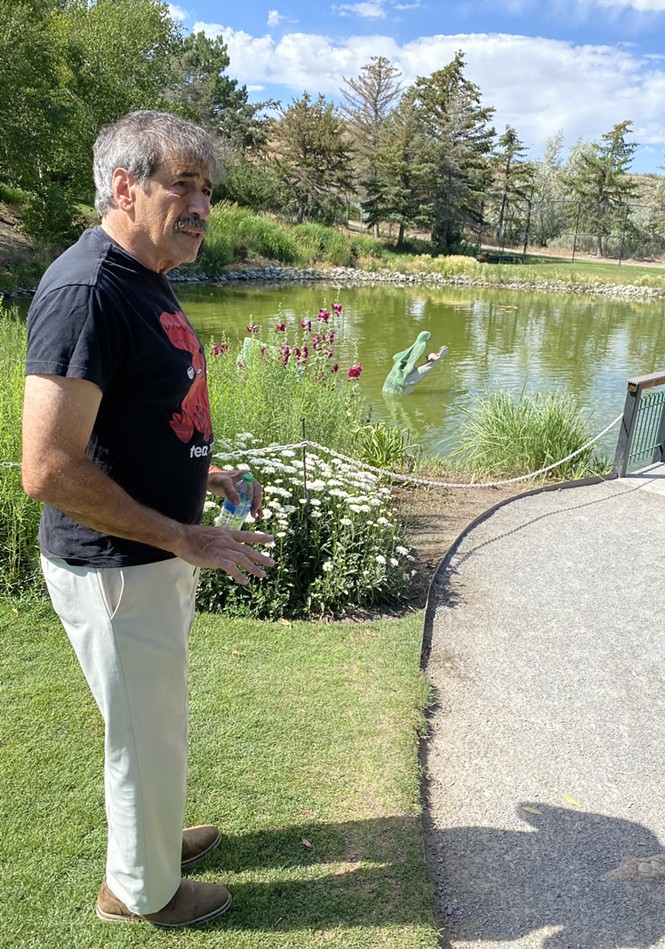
[123,187]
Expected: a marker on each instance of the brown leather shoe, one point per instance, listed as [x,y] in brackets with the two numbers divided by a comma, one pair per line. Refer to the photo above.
[192,904]
[197,842]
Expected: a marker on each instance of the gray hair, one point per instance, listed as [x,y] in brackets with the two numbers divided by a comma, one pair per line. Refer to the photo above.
[142,141]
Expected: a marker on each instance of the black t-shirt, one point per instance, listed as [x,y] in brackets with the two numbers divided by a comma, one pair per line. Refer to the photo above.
[100,315]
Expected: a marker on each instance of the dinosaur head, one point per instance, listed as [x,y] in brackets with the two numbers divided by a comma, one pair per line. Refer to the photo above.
[406,362]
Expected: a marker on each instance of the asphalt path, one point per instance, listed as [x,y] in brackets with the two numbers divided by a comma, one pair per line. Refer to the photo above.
[545,645]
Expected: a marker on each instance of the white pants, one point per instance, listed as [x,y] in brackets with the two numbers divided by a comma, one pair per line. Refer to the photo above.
[130,628]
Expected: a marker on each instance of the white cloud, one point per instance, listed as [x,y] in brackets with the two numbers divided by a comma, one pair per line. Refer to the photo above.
[375,10]
[177,13]
[643,6]
[275,18]
[536,85]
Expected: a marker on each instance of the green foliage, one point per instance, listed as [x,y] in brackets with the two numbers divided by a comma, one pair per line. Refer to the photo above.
[597,177]
[49,215]
[337,543]
[12,194]
[319,242]
[459,126]
[283,395]
[20,575]
[231,226]
[249,183]
[507,436]
[236,232]
[312,160]
[386,446]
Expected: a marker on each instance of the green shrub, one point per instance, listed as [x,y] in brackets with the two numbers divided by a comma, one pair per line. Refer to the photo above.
[328,243]
[386,446]
[243,231]
[19,515]
[12,194]
[363,246]
[504,435]
[337,547]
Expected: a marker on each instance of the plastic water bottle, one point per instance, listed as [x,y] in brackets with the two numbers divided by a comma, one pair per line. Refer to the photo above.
[233,515]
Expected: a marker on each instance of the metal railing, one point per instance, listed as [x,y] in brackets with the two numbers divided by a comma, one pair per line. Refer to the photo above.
[642,432]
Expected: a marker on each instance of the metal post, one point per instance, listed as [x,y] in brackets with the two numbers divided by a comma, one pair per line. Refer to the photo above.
[627,428]
[623,234]
[659,452]
[528,225]
[577,224]
[305,493]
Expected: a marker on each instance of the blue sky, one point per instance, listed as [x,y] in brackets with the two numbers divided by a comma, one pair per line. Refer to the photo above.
[575,66]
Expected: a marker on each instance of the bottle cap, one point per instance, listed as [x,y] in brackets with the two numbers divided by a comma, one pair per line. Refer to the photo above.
[248,476]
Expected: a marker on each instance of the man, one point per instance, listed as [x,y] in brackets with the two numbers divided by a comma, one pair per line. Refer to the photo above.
[117,442]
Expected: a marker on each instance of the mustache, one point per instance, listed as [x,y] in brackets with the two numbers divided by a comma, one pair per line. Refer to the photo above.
[190,221]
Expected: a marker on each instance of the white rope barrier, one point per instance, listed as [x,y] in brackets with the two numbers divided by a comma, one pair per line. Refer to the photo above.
[271,449]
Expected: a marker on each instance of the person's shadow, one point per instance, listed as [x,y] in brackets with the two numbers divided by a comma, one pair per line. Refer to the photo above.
[586,874]
[564,870]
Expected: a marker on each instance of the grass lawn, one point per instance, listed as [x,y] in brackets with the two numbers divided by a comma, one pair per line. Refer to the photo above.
[303,750]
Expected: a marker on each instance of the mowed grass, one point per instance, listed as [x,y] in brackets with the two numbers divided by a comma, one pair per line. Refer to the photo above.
[303,749]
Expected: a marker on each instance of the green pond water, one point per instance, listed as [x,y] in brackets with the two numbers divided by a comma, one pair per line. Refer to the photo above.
[583,346]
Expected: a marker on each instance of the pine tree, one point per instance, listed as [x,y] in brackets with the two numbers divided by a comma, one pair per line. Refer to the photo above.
[459,126]
[597,177]
[405,163]
[513,183]
[369,100]
[311,159]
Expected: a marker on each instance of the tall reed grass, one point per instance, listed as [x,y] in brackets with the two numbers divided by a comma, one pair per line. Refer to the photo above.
[505,434]
[235,232]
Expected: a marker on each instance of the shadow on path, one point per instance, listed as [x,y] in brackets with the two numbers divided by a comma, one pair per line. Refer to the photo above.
[569,869]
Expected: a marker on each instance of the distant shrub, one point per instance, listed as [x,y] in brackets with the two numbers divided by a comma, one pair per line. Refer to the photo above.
[329,244]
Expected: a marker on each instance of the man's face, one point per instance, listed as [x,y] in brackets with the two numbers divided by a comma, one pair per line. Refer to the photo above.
[170,211]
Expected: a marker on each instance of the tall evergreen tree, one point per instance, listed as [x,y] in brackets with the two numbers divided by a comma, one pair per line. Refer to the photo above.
[513,185]
[405,162]
[597,178]
[369,99]
[459,125]
[312,160]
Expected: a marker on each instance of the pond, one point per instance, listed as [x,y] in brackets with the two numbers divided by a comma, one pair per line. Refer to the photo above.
[583,346]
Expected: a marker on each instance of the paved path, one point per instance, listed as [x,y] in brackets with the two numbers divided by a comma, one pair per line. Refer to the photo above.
[547,756]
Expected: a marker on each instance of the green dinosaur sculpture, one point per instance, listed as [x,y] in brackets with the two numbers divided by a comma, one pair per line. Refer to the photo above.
[405,373]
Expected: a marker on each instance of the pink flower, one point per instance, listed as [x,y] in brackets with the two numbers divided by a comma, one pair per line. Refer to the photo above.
[218,349]
[331,353]
[252,328]
[280,327]
[307,325]
[355,371]
[285,353]
[337,308]
[323,315]
[316,342]
[335,368]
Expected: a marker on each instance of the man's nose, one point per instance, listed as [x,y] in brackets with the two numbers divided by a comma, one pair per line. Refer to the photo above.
[199,205]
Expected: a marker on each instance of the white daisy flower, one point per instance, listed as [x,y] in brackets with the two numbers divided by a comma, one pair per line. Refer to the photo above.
[327,566]
[380,558]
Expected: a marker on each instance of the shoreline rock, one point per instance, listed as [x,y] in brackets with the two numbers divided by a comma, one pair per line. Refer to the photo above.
[349,276]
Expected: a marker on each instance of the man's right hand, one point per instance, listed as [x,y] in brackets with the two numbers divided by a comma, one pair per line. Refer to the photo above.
[222,549]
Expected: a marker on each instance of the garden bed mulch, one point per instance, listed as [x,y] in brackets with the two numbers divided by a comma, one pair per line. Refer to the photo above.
[436,517]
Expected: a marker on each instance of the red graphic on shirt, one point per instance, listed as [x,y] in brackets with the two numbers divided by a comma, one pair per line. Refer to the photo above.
[195,408]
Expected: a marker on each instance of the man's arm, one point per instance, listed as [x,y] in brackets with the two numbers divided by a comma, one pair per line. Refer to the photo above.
[58,417]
